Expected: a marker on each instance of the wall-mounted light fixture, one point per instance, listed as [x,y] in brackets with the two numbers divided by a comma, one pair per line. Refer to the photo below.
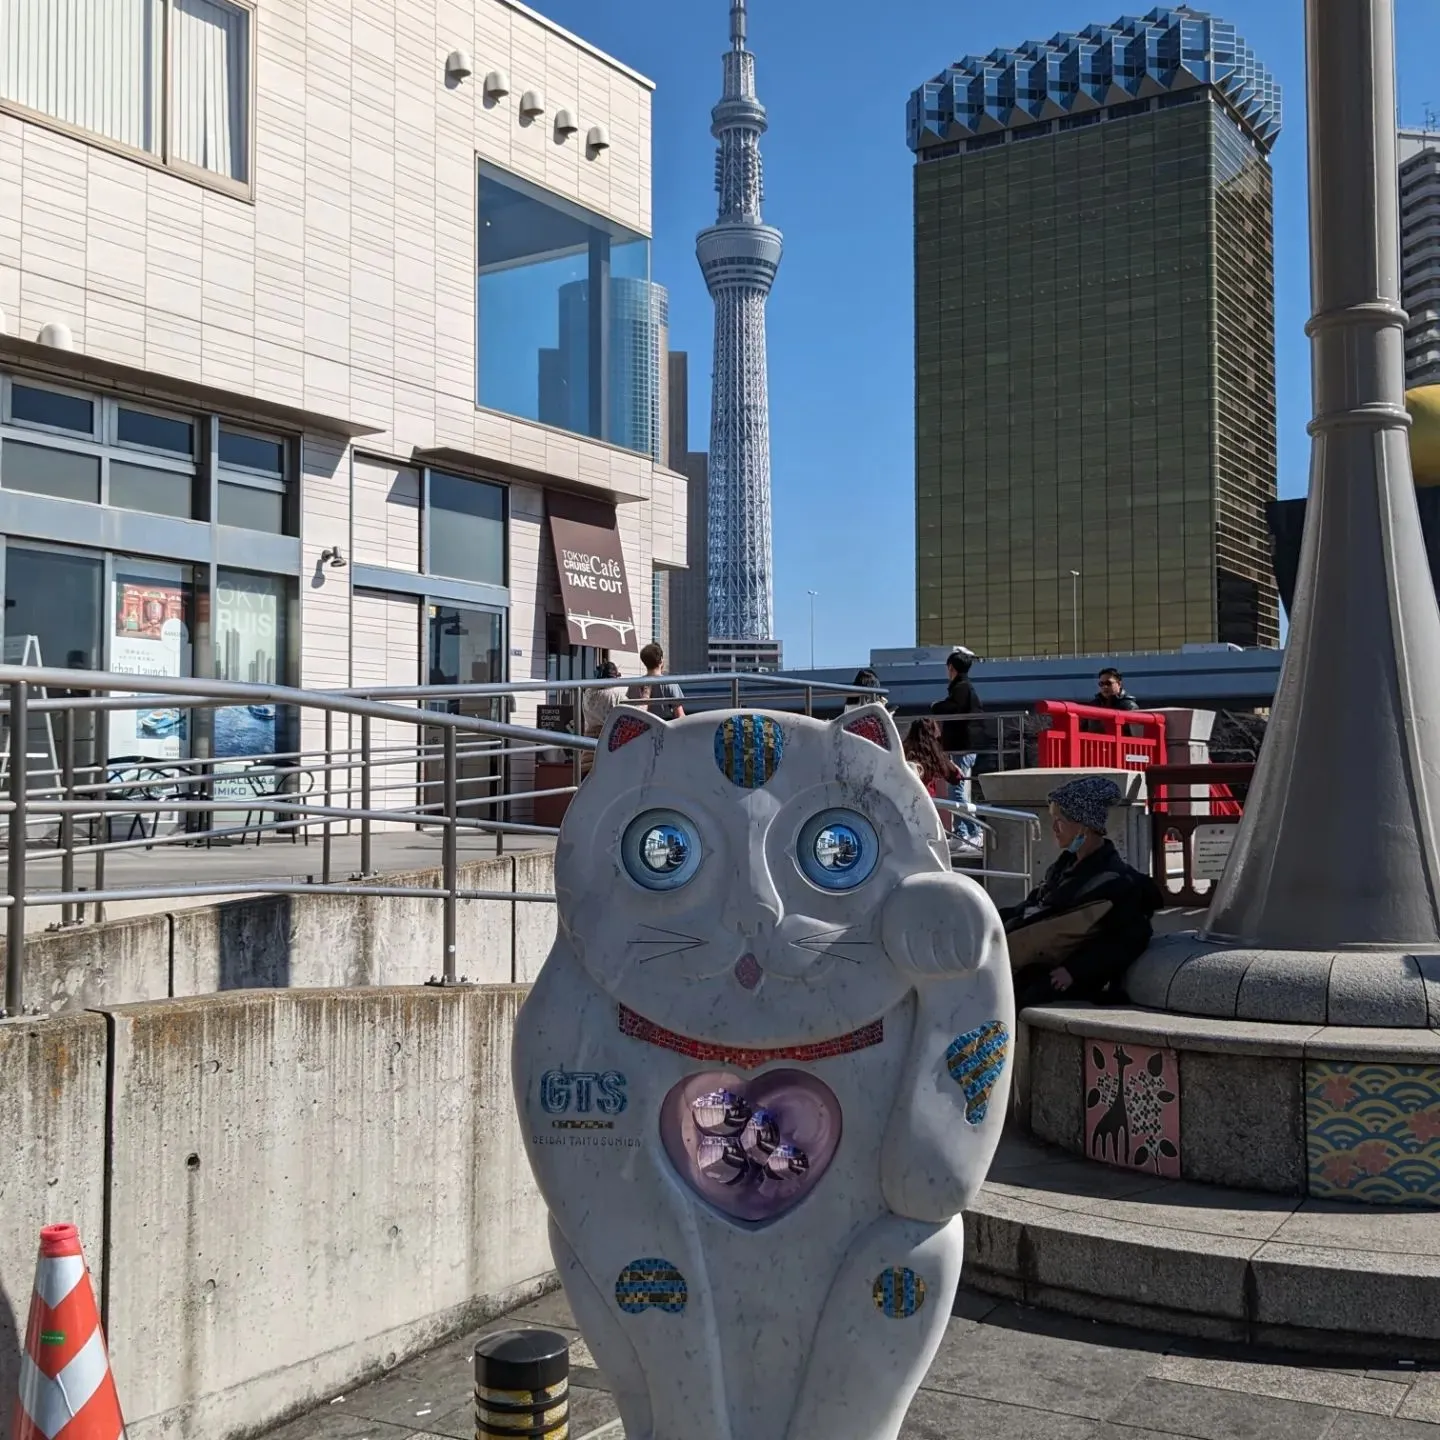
[565,122]
[598,138]
[57,335]
[458,66]
[334,558]
[532,103]
[497,85]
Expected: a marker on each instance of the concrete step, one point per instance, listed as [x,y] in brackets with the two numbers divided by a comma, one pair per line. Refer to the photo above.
[1053,1230]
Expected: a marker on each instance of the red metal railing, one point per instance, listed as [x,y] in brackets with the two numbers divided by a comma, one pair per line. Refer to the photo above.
[1174,826]
[1088,737]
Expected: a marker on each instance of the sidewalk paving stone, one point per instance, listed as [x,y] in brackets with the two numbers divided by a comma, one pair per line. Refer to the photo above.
[1004,1371]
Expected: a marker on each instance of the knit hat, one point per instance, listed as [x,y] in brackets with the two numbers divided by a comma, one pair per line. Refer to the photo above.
[1087,801]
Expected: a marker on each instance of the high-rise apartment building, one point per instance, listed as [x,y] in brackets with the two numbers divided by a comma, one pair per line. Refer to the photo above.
[1095,376]
[1419,155]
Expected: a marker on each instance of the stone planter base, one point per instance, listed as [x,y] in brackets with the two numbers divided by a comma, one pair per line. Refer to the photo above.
[1324,1112]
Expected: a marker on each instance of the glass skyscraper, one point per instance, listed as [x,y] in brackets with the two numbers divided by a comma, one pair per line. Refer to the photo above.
[637,350]
[1095,375]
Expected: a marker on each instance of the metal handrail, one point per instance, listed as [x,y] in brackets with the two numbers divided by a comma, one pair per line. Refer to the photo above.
[292,792]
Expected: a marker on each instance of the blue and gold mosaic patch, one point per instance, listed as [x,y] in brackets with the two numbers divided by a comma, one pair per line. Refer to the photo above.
[748,749]
[898,1293]
[651,1284]
[976,1061]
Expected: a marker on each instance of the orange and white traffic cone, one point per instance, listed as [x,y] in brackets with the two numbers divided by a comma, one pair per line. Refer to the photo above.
[66,1389]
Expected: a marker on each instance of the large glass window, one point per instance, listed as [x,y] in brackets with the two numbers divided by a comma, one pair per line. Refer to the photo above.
[250,646]
[103,65]
[571,331]
[467,647]
[105,451]
[466,521]
[54,616]
[151,614]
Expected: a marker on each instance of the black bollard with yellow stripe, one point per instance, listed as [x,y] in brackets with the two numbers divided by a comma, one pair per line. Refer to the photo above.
[522,1385]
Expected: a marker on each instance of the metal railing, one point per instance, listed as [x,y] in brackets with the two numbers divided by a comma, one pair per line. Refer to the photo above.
[356,768]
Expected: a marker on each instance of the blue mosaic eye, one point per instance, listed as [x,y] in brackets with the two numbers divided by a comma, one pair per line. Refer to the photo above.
[838,850]
[661,850]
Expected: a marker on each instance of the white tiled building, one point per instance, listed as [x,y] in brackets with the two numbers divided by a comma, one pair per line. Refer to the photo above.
[278,279]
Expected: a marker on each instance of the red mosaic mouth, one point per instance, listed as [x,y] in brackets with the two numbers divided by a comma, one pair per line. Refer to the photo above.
[637,1027]
[748,971]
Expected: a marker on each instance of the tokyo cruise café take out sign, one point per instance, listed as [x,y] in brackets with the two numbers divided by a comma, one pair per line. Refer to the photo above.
[593,584]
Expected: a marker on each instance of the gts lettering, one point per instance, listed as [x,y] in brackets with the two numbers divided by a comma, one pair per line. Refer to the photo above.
[580,1091]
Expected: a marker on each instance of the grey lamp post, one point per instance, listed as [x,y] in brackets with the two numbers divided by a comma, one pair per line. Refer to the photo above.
[1075,610]
[1339,848]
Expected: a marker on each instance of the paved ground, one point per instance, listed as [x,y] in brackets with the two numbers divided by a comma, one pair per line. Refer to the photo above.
[392,852]
[1004,1373]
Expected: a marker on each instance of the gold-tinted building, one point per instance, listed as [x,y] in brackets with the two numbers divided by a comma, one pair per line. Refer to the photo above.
[1095,374]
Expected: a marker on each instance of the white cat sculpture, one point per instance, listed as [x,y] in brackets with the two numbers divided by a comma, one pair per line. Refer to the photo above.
[761,1073]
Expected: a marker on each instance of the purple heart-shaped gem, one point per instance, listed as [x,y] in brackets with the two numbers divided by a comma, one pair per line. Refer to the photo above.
[753,1148]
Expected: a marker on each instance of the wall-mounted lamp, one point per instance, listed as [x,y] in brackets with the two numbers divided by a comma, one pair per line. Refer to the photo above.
[334,558]
[57,335]
[565,122]
[532,103]
[497,85]
[458,66]
[598,138]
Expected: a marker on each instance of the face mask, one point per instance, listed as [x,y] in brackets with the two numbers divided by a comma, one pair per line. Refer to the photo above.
[1076,845]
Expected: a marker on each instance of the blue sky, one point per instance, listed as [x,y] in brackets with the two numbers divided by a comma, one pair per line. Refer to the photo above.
[835,75]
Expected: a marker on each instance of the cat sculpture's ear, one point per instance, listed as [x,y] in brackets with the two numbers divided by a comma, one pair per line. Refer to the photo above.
[626,724]
[873,723]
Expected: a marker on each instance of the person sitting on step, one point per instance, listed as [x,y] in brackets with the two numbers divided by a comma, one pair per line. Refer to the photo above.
[1075,935]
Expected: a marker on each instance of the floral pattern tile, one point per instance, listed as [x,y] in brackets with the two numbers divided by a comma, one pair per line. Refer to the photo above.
[1373,1132]
[1132,1107]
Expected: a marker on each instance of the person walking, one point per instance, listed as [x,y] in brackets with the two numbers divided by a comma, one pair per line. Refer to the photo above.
[659,696]
[963,735]
[1112,694]
[595,707]
[938,773]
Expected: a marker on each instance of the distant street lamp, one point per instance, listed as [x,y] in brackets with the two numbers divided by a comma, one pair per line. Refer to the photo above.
[812,594]
[1075,610]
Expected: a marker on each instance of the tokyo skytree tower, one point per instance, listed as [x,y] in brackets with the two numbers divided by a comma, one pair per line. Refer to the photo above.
[739,256]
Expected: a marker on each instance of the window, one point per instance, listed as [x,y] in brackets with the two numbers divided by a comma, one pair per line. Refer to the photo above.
[549,349]
[29,405]
[41,470]
[465,520]
[105,451]
[102,68]
[159,492]
[251,489]
[251,646]
[144,431]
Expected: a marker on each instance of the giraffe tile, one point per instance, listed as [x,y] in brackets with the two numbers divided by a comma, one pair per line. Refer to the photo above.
[1373,1132]
[1132,1107]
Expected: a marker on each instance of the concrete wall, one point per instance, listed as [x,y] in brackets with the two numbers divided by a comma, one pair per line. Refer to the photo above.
[300,941]
[302,1187]
[52,1120]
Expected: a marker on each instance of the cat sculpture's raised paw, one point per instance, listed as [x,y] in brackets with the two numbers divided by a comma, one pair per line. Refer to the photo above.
[761,1073]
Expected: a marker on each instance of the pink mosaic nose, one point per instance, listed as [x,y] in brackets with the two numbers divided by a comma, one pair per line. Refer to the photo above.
[748,971]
